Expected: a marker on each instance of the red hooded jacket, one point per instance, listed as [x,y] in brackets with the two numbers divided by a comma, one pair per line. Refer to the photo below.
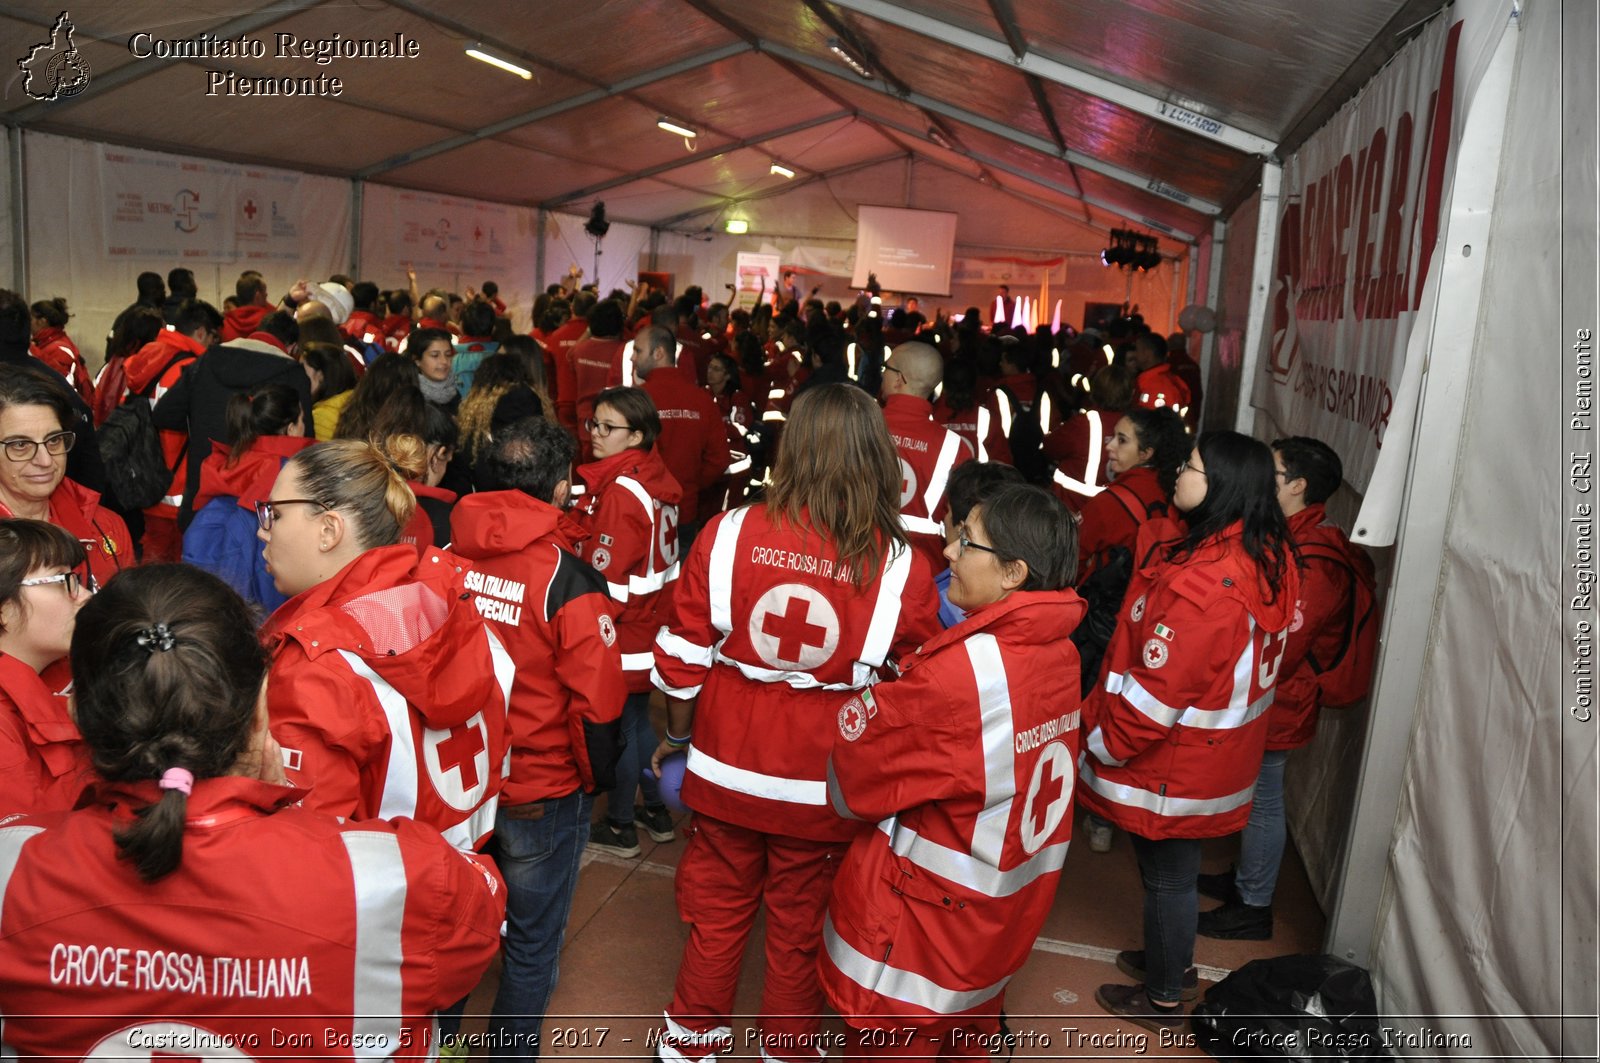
[44,763]
[54,348]
[241,321]
[154,368]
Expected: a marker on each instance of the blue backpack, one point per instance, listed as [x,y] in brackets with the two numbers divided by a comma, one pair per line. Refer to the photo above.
[222,540]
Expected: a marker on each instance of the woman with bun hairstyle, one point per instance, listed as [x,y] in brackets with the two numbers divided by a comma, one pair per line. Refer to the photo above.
[388,691]
[44,764]
[192,855]
[265,429]
[54,348]
[784,609]
[630,511]
[1175,733]
[1142,456]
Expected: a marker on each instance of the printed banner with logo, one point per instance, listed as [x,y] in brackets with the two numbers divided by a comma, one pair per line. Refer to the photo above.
[1010,271]
[1362,203]
[444,234]
[757,278]
[196,210]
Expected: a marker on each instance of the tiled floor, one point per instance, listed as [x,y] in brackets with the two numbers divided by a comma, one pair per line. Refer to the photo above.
[624,939]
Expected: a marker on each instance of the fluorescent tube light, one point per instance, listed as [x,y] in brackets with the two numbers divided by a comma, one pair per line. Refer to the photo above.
[477,52]
[673,127]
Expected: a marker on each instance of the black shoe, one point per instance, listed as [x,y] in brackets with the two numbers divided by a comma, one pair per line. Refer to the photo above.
[1236,921]
[1218,887]
[1133,1003]
[655,821]
[614,838]
[1131,963]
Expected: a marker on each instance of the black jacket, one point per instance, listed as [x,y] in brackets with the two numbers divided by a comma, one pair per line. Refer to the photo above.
[198,402]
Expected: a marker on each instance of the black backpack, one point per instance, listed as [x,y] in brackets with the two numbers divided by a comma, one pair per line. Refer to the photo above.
[1104,588]
[137,472]
[1026,438]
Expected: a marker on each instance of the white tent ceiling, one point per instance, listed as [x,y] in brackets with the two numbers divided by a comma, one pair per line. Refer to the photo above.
[1087,107]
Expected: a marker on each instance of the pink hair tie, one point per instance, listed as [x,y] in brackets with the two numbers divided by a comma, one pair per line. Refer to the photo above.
[178,779]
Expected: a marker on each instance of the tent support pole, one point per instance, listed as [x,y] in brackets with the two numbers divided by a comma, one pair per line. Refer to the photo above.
[655,248]
[1244,417]
[19,211]
[357,196]
[1208,348]
[538,253]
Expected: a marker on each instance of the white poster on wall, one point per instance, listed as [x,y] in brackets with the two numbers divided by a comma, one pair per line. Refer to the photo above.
[1007,270]
[757,278]
[196,210]
[444,234]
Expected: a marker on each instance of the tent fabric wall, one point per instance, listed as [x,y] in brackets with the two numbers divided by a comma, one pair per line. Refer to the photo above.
[1232,310]
[452,243]
[72,187]
[624,251]
[1471,925]
[8,273]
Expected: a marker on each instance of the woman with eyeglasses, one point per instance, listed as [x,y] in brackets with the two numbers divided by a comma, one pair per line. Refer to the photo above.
[785,607]
[265,429]
[1176,731]
[44,764]
[388,691]
[630,510]
[966,761]
[190,906]
[35,415]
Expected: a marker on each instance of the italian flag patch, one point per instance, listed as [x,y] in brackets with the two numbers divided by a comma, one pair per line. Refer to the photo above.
[1165,632]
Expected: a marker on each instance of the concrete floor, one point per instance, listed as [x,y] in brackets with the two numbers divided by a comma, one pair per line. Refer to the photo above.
[624,940]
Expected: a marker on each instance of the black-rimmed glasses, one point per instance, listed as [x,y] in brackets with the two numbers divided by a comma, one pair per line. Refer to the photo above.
[267,509]
[20,450]
[962,543]
[602,429]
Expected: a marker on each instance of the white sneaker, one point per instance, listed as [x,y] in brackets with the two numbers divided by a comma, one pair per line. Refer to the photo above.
[1099,836]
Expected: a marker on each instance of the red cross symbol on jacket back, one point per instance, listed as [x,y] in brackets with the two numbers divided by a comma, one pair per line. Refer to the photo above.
[794,630]
[461,751]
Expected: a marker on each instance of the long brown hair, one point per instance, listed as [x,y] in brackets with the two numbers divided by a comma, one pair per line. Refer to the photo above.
[838,475]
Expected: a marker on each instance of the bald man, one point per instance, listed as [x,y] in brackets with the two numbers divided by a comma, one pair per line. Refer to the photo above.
[928,450]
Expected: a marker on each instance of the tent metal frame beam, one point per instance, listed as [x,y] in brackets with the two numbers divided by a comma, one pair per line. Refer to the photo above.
[699,156]
[1042,182]
[550,110]
[1171,112]
[773,193]
[128,73]
[1044,147]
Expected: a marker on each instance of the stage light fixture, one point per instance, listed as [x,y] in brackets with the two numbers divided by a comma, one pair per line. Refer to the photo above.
[849,58]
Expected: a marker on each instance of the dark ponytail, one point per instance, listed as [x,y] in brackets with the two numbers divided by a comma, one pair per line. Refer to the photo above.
[1162,431]
[268,412]
[52,312]
[1241,487]
[168,670]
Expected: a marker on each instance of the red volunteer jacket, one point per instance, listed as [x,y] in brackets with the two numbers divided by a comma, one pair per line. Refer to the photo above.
[1113,517]
[629,514]
[562,340]
[591,361]
[1161,386]
[55,348]
[77,510]
[389,695]
[768,631]
[1077,448]
[1177,729]
[979,427]
[967,762]
[551,611]
[928,454]
[154,367]
[274,910]
[241,321]
[395,328]
[1325,591]
[693,443]
[44,763]
[251,480]
[364,327]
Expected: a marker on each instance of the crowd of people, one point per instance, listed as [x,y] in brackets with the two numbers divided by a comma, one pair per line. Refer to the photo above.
[341,640]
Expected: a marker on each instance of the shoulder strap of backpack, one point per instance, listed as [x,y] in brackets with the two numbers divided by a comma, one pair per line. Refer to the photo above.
[155,381]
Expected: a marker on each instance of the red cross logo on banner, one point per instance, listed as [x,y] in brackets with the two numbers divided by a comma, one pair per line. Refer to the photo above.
[793,626]
[250,209]
[457,761]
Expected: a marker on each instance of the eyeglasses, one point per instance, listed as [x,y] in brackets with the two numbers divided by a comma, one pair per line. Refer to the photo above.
[602,429]
[963,543]
[267,511]
[54,445]
[1186,467]
[73,581]
[892,369]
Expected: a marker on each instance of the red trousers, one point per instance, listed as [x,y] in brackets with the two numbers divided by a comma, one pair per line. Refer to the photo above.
[725,874]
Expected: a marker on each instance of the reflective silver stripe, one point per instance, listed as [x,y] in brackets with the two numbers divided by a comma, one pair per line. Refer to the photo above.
[850,358]
[465,834]
[684,650]
[1094,462]
[1006,413]
[638,662]
[1096,743]
[1077,487]
[1150,801]
[1147,703]
[773,415]
[999,754]
[721,569]
[653,581]
[860,675]
[379,873]
[965,870]
[12,839]
[712,1041]
[1229,718]
[983,432]
[619,592]
[682,693]
[774,393]
[886,610]
[636,489]
[898,984]
[627,364]
[841,808]
[922,525]
[738,466]
[948,452]
[505,669]
[172,500]
[400,776]
[1044,411]
[754,783]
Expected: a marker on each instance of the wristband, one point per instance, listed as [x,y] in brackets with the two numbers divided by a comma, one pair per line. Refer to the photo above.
[679,743]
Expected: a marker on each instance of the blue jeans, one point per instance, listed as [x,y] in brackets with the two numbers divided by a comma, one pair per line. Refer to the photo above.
[1261,846]
[639,741]
[539,858]
[1168,868]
